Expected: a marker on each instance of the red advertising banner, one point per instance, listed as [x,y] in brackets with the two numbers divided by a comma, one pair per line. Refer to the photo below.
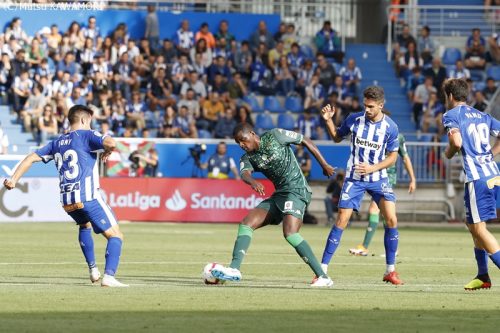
[181,199]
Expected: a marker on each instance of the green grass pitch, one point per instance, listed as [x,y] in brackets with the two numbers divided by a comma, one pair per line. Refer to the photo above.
[44,284]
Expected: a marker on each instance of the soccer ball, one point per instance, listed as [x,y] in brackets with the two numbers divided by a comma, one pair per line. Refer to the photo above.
[206,275]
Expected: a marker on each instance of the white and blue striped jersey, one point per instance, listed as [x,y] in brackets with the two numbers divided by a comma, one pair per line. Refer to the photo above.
[370,143]
[76,155]
[475,127]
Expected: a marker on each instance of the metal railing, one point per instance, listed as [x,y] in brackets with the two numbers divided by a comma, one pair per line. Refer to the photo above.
[448,21]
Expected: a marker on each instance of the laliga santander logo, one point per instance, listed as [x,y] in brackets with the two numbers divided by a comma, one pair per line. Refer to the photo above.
[176,202]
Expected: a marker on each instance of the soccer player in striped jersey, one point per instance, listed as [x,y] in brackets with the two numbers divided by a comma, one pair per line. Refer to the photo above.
[468,132]
[374,148]
[76,155]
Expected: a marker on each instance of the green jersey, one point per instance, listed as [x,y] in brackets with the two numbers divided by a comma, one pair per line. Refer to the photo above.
[276,160]
[391,171]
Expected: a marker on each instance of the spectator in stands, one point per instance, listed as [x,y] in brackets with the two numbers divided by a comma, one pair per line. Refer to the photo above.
[426,45]
[413,81]
[168,51]
[351,77]
[47,125]
[54,38]
[325,71]
[475,56]
[433,112]
[187,127]
[278,36]
[262,35]
[459,72]
[180,71]
[159,91]
[290,37]
[438,74]
[205,34]
[307,123]
[136,111]
[304,77]
[19,63]
[275,55]
[494,44]
[21,90]
[184,39]
[285,82]
[355,106]
[220,87]
[225,125]
[243,115]
[408,61]
[470,97]
[169,128]
[191,103]
[421,97]
[211,110]
[92,30]
[201,48]
[35,54]
[15,29]
[343,97]
[193,82]
[5,74]
[435,159]
[304,160]
[259,78]
[152,32]
[219,67]
[402,41]
[200,67]
[4,141]
[33,108]
[490,88]
[341,109]
[75,97]
[315,94]
[86,56]
[75,36]
[243,59]
[68,64]
[236,87]
[328,43]
[295,59]
[479,101]
[223,33]
[220,164]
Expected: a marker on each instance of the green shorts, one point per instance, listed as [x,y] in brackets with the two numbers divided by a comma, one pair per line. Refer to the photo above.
[286,203]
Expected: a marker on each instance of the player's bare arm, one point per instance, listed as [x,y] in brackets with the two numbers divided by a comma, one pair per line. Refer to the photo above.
[246,175]
[328,170]
[109,145]
[327,113]
[25,165]
[496,148]
[366,169]
[409,168]
[454,144]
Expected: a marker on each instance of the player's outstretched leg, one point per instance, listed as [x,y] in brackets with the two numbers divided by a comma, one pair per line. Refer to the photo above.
[391,240]
[254,220]
[291,228]
[373,220]
[87,245]
[113,252]
[333,240]
[482,279]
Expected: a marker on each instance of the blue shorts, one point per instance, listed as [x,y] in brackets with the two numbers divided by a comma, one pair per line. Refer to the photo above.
[98,213]
[353,191]
[480,200]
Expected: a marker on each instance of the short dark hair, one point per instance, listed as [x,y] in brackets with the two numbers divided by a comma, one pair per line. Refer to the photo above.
[77,111]
[374,92]
[426,28]
[458,88]
[242,127]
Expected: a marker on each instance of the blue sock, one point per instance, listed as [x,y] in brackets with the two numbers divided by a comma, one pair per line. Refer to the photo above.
[332,243]
[391,239]
[113,251]
[482,261]
[495,257]
[87,245]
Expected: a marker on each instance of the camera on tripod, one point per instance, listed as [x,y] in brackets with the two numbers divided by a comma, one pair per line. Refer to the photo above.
[196,151]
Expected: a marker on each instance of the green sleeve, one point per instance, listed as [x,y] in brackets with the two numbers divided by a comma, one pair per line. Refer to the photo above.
[403,152]
[245,164]
[285,137]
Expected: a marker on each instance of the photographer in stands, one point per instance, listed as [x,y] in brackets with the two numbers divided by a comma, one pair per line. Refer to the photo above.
[148,161]
[220,164]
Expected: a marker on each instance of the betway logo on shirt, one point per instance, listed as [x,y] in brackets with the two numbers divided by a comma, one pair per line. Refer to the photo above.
[363,143]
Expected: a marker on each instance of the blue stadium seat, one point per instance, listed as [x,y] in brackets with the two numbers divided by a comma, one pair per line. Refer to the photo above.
[494,72]
[307,51]
[451,55]
[272,104]
[294,104]
[479,85]
[253,102]
[264,122]
[286,121]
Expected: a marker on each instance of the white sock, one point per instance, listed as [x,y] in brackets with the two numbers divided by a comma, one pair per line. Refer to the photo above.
[324,267]
[390,268]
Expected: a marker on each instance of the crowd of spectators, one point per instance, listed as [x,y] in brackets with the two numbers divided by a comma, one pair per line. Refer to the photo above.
[190,85]
[422,72]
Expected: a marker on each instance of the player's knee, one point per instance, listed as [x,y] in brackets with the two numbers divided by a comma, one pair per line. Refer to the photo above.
[392,222]
[85,226]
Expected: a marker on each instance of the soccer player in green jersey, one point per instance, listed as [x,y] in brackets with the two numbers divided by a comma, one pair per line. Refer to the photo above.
[373,210]
[272,155]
